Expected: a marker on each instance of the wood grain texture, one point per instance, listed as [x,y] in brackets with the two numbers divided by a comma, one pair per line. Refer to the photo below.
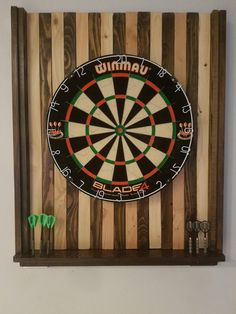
[217,82]
[167,193]
[94,32]
[131,207]
[108,207]
[155,200]
[82,54]
[16,129]
[72,193]
[119,209]
[82,46]
[192,92]
[57,21]
[34,109]
[213,133]
[24,127]
[45,97]
[190,46]
[203,116]
[143,205]
[178,183]
[221,126]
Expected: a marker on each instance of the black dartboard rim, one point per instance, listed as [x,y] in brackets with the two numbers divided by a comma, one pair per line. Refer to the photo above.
[157,152]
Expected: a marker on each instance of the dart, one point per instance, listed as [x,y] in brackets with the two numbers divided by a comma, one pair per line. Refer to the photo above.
[189,228]
[32,220]
[205,227]
[196,229]
[43,218]
[50,224]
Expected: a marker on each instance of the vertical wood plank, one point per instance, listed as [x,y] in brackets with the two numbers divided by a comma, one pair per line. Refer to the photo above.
[143,204]
[217,82]
[45,50]
[203,116]
[82,46]
[72,192]
[221,125]
[35,145]
[108,207]
[190,193]
[82,54]
[119,209]
[178,183]
[131,207]
[94,26]
[155,200]
[16,129]
[24,144]
[59,180]
[167,193]
[214,84]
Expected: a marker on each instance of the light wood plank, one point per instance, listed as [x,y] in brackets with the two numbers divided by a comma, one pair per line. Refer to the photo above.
[35,147]
[59,180]
[81,38]
[203,116]
[131,207]
[106,33]
[107,207]
[178,183]
[84,199]
[84,221]
[143,49]
[155,200]
[131,33]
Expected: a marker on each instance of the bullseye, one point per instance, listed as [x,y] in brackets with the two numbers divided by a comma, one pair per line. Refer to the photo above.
[120,130]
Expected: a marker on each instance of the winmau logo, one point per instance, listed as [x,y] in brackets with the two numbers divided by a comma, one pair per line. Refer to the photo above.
[121,66]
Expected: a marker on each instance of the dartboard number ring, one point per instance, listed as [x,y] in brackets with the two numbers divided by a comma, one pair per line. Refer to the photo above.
[119,128]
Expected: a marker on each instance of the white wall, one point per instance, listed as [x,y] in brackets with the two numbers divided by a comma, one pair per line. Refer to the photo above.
[113,290]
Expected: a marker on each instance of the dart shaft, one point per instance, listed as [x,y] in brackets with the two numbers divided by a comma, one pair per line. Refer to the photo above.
[32,243]
[190,246]
[197,245]
[205,244]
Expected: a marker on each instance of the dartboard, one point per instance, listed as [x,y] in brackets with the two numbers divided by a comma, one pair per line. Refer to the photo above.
[120,127]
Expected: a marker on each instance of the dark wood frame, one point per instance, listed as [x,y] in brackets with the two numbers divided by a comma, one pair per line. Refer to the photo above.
[21,166]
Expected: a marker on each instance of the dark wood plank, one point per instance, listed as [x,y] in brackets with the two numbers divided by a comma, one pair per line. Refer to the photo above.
[72,197]
[215,82]
[24,138]
[221,122]
[143,49]
[96,224]
[16,128]
[168,24]
[119,33]
[94,33]
[190,191]
[119,209]
[45,54]
[119,226]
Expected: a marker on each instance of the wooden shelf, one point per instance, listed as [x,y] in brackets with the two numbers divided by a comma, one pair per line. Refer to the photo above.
[119,258]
